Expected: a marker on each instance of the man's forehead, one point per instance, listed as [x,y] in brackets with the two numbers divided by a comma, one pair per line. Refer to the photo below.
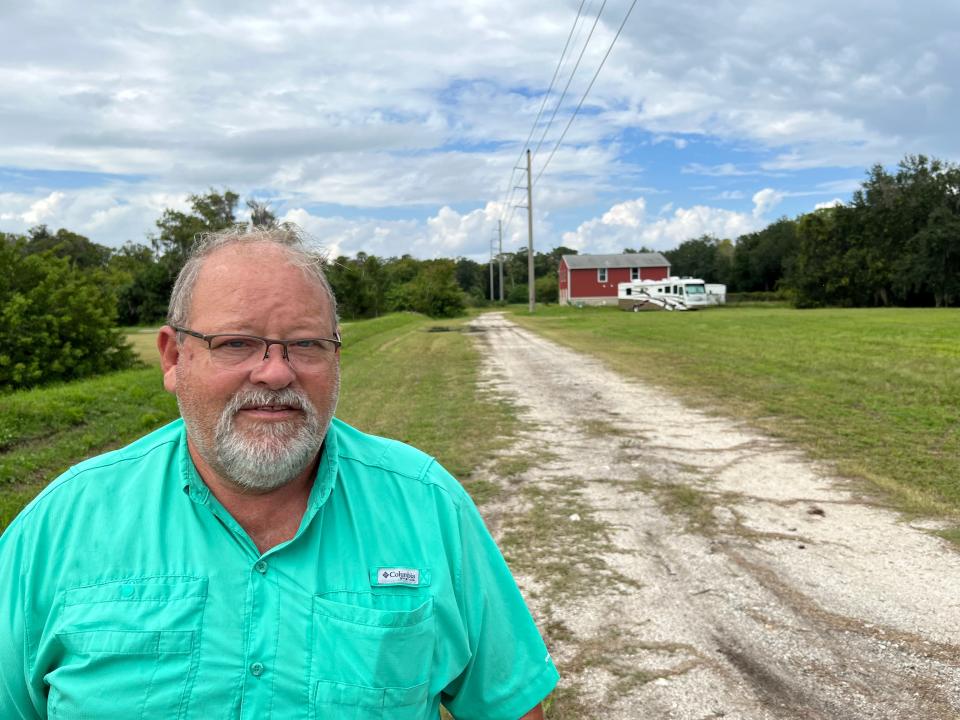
[262,272]
[255,257]
[237,268]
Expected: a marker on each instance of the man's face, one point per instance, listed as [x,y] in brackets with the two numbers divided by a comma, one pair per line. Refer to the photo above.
[261,425]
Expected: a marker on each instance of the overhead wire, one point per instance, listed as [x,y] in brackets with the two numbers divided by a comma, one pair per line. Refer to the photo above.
[526,143]
[585,93]
[508,193]
[573,72]
[566,87]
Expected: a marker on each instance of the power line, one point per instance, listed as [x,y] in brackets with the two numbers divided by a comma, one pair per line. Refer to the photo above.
[586,92]
[526,143]
[570,79]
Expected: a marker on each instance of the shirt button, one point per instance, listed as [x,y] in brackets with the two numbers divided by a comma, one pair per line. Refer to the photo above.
[261,567]
[256,669]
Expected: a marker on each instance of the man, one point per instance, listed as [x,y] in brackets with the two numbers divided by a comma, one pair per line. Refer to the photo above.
[258,558]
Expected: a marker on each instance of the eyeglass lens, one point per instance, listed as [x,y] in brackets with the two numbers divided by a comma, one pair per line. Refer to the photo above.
[236,350]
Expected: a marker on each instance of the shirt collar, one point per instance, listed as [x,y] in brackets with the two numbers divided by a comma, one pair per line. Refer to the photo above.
[324,481]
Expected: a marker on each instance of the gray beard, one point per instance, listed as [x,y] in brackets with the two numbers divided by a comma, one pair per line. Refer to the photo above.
[270,455]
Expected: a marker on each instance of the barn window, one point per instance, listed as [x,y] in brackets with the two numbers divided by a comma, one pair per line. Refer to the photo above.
[601,274]
[635,273]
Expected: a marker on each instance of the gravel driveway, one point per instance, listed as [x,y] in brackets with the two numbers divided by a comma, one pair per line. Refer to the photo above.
[684,566]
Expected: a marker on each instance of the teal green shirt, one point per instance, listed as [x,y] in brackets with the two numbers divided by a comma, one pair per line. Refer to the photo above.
[129,592]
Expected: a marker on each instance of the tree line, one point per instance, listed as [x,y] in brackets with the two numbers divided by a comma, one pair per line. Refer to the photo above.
[897,242]
[62,295]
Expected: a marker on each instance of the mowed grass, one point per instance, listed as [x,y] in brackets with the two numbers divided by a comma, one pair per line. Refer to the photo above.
[398,379]
[415,379]
[144,343]
[875,390]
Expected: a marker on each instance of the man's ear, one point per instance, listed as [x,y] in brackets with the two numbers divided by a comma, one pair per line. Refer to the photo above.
[169,356]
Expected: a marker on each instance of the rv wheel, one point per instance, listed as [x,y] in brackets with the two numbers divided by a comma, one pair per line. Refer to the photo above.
[636,308]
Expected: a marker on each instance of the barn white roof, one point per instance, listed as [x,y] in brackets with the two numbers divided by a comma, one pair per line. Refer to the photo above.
[631,260]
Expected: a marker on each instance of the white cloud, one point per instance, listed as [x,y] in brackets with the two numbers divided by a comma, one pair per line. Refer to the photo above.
[678,142]
[765,200]
[94,212]
[723,170]
[42,210]
[730,195]
[628,214]
[836,202]
[448,233]
[628,225]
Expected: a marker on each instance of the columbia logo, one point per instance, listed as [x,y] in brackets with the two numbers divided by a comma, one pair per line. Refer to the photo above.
[398,576]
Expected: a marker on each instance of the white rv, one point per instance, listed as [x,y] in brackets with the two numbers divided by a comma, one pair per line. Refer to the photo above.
[672,293]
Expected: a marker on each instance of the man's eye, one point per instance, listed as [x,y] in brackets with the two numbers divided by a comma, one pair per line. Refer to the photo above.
[235,343]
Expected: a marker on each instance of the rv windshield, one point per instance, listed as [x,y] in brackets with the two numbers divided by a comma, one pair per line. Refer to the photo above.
[695,289]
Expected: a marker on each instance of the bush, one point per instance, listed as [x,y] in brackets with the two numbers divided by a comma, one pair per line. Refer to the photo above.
[518,294]
[57,323]
[547,289]
[433,292]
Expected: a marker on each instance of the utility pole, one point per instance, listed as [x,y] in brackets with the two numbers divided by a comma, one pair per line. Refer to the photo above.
[530,283]
[491,271]
[500,254]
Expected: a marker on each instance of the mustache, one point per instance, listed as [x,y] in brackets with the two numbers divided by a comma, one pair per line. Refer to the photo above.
[260,396]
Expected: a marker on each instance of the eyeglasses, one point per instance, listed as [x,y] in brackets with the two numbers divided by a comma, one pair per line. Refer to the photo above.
[233,352]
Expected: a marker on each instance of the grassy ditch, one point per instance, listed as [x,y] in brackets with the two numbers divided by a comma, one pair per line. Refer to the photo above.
[876,391]
[399,379]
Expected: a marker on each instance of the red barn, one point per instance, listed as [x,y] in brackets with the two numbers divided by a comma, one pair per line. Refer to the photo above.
[593,279]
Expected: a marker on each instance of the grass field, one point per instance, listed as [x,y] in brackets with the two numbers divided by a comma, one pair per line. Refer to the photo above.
[878,391]
[399,379]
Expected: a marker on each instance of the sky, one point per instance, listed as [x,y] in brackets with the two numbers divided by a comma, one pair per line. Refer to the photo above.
[396,127]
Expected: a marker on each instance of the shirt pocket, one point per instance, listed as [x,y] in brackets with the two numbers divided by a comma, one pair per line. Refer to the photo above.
[371,655]
[128,648]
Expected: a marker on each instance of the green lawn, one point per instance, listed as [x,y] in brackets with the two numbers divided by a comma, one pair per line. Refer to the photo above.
[877,390]
[144,343]
[401,378]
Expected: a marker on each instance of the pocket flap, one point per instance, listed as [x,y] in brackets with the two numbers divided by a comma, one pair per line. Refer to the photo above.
[384,611]
[123,642]
[167,603]
[337,693]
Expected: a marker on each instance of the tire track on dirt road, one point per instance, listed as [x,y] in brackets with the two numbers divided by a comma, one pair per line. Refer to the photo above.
[684,566]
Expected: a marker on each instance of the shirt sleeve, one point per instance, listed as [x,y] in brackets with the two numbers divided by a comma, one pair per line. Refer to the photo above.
[17,698]
[509,670]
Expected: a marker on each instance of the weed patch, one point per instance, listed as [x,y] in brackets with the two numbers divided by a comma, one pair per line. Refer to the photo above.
[601,428]
[694,505]
[557,540]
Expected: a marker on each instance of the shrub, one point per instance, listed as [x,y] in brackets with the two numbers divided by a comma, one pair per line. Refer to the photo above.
[434,292]
[56,322]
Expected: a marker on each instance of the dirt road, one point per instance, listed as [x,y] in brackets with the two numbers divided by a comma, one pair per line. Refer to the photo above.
[684,566]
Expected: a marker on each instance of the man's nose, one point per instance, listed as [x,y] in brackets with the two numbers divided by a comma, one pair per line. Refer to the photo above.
[274,371]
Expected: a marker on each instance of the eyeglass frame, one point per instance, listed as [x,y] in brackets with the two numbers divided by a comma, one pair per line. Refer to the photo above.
[208,339]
